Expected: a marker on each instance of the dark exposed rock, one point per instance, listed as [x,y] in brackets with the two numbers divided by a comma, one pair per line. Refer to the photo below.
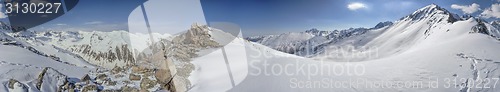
[146,83]
[163,75]
[111,83]
[90,88]
[109,90]
[119,75]
[382,24]
[134,77]
[70,87]
[16,84]
[102,76]
[85,78]
[129,89]
[50,76]
[138,69]
[11,83]
[480,27]
[121,53]
[116,70]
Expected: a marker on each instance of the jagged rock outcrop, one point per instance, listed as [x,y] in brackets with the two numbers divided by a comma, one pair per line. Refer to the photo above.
[146,83]
[496,24]
[432,11]
[180,49]
[197,36]
[86,78]
[166,63]
[134,77]
[90,88]
[121,55]
[490,29]
[51,80]
[129,89]
[382,24]
[16,86]
[480,27]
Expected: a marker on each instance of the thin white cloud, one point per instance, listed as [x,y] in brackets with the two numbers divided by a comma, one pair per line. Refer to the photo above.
[355,6]
[467,9]
[493,11]
[93,22]
[61,24]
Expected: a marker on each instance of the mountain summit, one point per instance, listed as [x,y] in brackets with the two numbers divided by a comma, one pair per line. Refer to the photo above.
[432,11]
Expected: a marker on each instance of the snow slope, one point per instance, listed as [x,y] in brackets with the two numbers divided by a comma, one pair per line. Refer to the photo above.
[476,60]
[429,50]
[461,57]
[23,62]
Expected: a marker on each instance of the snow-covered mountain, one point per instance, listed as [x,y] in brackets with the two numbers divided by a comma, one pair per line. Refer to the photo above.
[387,38]
[310,42]
[71,57]
[429,45]
[106,49]
[25,64]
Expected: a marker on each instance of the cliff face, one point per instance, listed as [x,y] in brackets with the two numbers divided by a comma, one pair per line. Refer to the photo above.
[171,58]
[119,56]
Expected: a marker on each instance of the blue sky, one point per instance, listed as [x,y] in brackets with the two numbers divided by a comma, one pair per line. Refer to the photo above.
[99,15]
[261,17]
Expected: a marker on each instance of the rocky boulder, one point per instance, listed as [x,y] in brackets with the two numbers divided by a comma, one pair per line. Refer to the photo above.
[90,88]
[134,77]
[16,86]
[51,80]
[146,83]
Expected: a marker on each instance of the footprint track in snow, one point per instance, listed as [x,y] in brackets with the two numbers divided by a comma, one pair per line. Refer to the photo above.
[481,69]
[19,64]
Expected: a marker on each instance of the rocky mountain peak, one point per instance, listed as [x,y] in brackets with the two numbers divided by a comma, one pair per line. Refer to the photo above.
[495,23]
[432,11]
[383,24]
[196,26]
[317,32]
[313,30]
